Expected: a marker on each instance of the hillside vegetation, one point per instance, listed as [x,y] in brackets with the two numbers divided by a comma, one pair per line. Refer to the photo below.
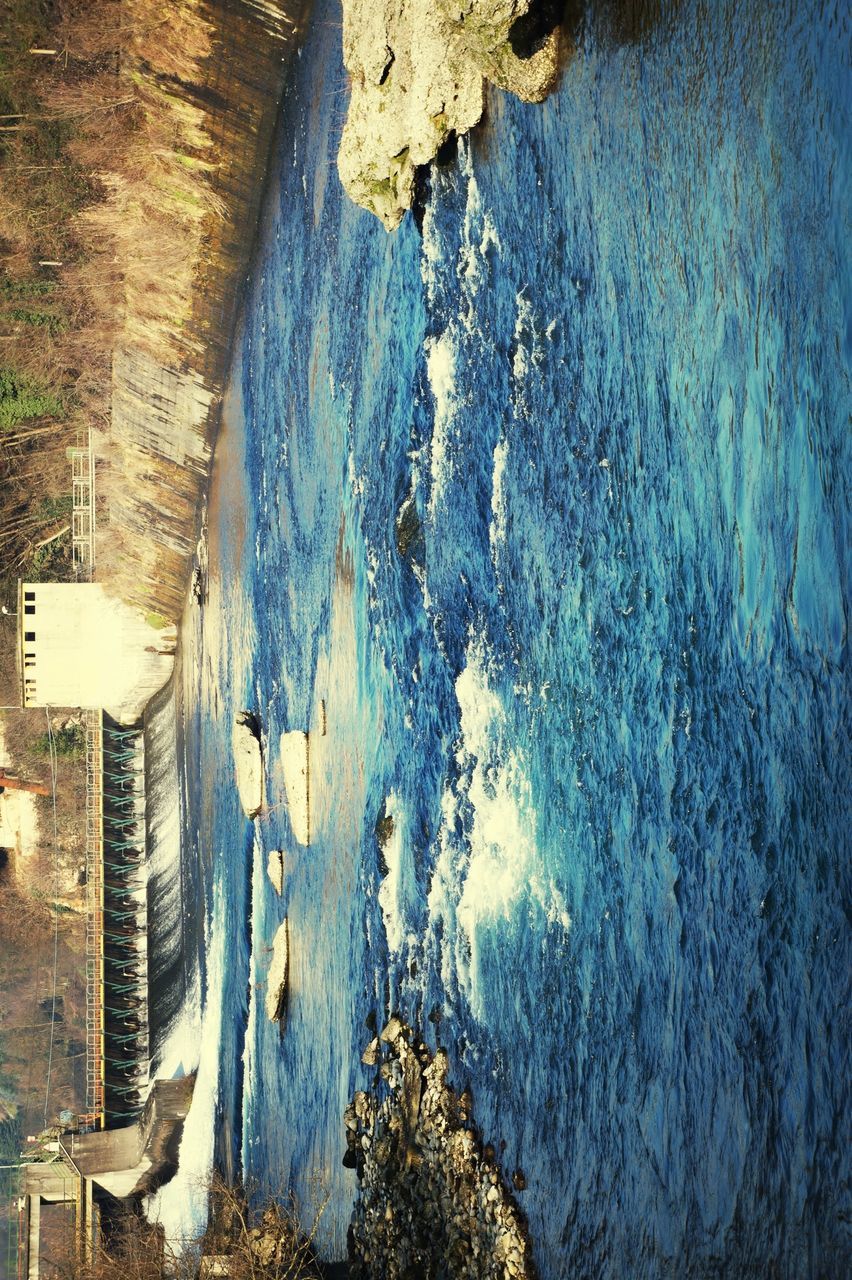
[132,139]
[101,197]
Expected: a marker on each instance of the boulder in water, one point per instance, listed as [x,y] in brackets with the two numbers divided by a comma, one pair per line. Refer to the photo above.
[372,1054]
[248,763]
[278,977]
[275,869]
[296,763]
[417,75]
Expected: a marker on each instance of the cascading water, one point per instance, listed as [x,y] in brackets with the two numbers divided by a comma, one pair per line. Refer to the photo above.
[173,889]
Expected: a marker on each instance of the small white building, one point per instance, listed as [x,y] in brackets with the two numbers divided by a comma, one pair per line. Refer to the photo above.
[78,646]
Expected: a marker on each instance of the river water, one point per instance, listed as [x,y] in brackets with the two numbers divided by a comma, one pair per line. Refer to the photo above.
[542,509]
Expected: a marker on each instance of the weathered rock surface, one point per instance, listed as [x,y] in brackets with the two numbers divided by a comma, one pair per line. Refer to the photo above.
[432,1201]
[248,763]
[418,70]
[278,976]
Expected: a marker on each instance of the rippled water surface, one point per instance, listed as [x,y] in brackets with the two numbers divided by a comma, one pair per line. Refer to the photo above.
[544,507]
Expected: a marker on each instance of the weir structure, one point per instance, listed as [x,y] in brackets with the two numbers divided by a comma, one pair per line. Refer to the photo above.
[125,1143]
[117,1042]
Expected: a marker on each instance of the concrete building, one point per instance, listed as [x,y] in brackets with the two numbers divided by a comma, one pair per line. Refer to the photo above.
[78,646]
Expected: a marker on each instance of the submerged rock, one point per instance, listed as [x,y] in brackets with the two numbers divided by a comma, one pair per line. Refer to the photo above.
[248,763]
[372,1053]
[418,73]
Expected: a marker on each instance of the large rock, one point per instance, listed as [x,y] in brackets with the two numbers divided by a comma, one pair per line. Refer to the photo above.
[275,869]
[277,979]
[418,71]
[248,763]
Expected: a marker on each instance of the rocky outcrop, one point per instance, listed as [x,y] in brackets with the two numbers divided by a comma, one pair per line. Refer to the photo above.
[418,70]
[432,1201]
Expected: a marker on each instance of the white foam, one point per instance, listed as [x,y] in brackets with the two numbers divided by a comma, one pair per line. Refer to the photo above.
[523,331]
[480,881]
[441,371]
[469,260]
[478,235]
[392,891]
[443,894]
[432,252]
[251,1063]
[497,528]
[179,1056]
[181,1206]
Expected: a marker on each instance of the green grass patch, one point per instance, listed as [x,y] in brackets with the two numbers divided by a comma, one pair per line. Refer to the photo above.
[18,290]
[36,318]
[192,162]
[53,562]
[69,743]
[22,400]
[54,508]
[156,620]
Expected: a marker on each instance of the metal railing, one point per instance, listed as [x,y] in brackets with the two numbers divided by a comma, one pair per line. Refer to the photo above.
[83,510]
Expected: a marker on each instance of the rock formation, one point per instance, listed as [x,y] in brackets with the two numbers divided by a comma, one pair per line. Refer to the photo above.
[432,1201]
[418,72]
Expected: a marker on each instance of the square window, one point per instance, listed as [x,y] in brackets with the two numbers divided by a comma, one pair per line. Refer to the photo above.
[29,635]
[29,608]
[29,595]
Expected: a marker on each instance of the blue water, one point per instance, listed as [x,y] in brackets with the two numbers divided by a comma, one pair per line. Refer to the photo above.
[604,695]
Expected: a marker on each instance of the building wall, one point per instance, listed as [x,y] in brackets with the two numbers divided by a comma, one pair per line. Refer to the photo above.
[80,647]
